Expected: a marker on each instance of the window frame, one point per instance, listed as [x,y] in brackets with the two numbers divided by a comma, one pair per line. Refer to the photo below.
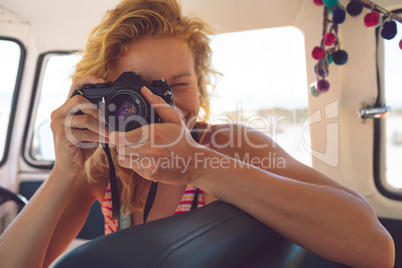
[32,111]
[379,146]
[16,93]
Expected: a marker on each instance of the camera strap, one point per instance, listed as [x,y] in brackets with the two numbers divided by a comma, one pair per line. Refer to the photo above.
[114,188]
[150,200]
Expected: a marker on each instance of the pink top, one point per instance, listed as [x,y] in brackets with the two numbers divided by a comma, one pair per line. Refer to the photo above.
[184,206]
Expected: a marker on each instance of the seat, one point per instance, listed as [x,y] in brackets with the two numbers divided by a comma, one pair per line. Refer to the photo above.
[217,235]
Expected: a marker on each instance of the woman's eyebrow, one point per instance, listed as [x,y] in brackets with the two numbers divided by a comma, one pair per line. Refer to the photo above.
[180,75]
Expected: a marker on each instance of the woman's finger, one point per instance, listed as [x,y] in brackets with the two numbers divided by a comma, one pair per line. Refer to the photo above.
[128,160]
[78,105]
[131,138]
[164,111]
[77,136]
[84,121]
[75,130]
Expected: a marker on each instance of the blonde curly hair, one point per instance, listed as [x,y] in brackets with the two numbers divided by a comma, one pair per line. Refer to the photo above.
[130,21]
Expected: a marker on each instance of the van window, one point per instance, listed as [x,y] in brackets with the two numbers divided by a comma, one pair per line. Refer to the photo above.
[264,85]
[53,84]
[12,55]
[391,175]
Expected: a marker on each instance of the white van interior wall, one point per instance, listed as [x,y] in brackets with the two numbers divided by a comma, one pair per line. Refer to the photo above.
[13,25]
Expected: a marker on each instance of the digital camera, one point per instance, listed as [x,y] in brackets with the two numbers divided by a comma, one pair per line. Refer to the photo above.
[121,101]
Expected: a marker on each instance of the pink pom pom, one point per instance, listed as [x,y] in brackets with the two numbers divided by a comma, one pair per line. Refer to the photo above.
[322,86]
[400,44]
[329,39]
[318,2]
[318,53]
[371,19]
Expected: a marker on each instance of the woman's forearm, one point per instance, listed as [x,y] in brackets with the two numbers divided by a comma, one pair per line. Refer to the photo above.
[329,221]
[25,241]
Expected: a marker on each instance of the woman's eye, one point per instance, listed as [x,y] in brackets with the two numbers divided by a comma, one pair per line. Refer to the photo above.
[179,84]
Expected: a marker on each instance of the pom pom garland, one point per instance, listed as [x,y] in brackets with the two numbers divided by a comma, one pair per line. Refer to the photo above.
[338,16]
[322,86]
[330,59]
[388,30]
[330,49]
[330,3]
[319,70]
[379,22]
[318,53]
[354,8]
[340,57]
[371,19]
[329,39]
[313,90]
[318,2]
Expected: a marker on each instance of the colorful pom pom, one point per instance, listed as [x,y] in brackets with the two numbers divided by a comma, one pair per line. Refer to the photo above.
[338,16]
[340,57]
[313,90]
[318,2]
[400,44]
[330,3]
[322,86]
[354,8]
[329,39]
[318,53]
[330,59]
[389,30]
[371,19]
[379,22]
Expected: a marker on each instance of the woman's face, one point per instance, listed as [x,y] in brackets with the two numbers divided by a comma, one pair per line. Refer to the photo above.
[169,58]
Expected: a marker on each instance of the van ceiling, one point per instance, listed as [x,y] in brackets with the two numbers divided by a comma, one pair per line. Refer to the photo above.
[75,18]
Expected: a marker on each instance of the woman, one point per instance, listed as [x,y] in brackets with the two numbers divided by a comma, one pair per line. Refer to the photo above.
[153,38]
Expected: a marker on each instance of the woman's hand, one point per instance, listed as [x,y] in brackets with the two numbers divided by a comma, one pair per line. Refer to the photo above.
[160,152]
[76,136]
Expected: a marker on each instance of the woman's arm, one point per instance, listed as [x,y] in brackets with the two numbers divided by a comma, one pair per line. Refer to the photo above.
[72,219]
[299,202]
[59,208]
[26,240]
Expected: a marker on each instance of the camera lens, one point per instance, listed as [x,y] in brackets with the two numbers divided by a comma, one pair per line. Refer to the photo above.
[125,111]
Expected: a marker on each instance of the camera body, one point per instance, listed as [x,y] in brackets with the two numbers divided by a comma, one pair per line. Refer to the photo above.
[121,101]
